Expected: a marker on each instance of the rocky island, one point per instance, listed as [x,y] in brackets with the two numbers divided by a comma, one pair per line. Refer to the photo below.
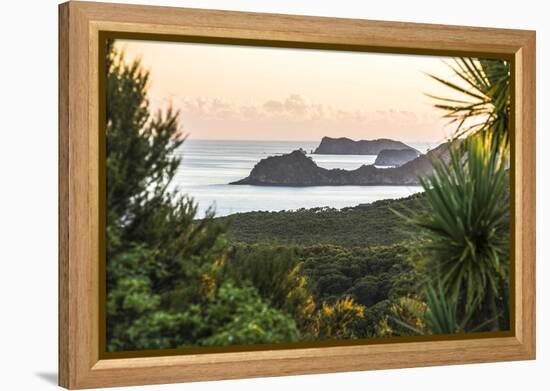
[395,157]
[346,146]
[297,169]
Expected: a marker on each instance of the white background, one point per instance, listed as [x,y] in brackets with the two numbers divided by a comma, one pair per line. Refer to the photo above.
[28,194]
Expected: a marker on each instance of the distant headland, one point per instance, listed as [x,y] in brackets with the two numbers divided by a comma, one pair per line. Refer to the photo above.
[346,146]
[297,169]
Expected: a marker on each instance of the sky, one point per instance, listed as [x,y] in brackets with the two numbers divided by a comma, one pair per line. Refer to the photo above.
[255,93]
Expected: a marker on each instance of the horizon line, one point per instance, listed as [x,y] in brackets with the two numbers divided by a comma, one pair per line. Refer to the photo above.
[309,141]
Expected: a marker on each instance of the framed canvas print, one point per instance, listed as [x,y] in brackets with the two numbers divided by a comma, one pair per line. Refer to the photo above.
[247,195]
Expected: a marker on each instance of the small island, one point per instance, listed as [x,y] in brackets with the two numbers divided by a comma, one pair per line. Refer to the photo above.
[297,169]
[395,157]
[347,146]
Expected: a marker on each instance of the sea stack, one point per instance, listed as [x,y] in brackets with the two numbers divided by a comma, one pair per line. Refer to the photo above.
[346,146]
[395,157]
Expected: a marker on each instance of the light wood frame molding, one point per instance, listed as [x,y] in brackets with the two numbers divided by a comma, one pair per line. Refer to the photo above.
[80,364]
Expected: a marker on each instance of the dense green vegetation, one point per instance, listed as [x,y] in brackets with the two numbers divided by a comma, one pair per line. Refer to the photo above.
[367,225]
[298,278]
[436,262]
[171,281]
[463,242]
[163,289]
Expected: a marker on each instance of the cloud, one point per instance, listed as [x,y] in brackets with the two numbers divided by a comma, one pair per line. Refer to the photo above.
[295,107]
[273,106]
[296,113]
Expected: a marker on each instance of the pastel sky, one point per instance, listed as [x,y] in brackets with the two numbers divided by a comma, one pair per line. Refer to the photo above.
[253,93]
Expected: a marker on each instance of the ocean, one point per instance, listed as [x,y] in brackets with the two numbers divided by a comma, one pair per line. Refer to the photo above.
[208,166]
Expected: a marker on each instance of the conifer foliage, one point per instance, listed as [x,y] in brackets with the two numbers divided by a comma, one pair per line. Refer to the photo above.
[164,289]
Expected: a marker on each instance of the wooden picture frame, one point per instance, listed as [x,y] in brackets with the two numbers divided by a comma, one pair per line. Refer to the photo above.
[81,363]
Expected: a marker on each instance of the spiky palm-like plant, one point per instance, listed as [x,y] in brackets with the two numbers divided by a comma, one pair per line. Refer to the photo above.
[485,104]
[438,315]
[441,316]
[464,237]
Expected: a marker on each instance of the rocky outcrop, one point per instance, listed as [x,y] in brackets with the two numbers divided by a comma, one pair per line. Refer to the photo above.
[395,157]
[346,146]
[297,169]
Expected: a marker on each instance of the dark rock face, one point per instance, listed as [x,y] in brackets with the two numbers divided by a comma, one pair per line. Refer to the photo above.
[293,169]
[346,146]
[297,169]
[395,157]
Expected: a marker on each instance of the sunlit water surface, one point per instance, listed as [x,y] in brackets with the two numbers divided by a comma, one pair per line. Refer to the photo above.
[208,166]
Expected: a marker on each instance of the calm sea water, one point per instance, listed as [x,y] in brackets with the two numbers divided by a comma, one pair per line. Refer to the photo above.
[207,166]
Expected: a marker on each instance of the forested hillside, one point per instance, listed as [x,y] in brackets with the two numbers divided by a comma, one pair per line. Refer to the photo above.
[356,253]
[365,225]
